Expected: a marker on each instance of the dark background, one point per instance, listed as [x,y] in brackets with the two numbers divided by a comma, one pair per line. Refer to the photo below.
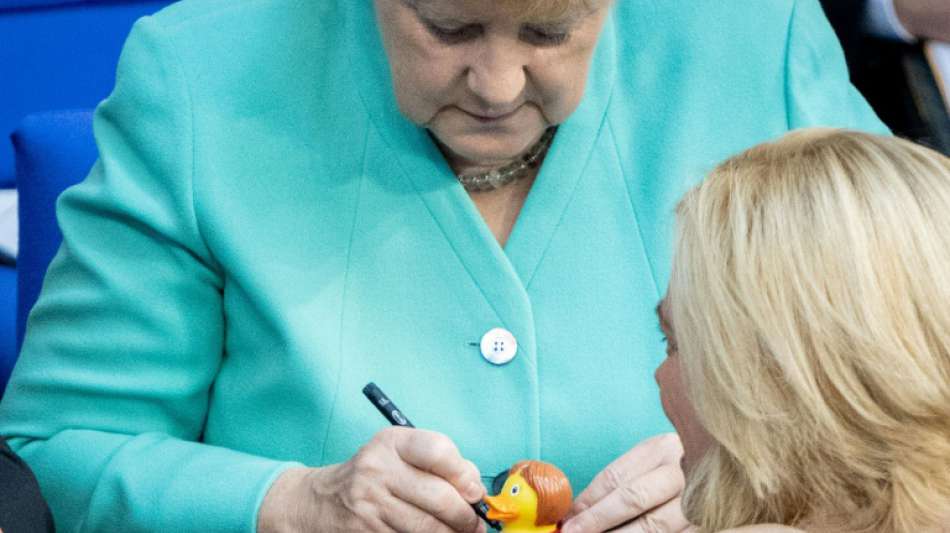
[893,76]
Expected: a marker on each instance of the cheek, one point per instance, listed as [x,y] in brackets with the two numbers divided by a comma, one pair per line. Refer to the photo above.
[695,443]
[560,77]
[560,89]
[421,87]
[678,409]
[667,377]
[423,75]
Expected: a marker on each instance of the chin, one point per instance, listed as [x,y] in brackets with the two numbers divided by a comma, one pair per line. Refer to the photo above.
[488,148]
[492,155]
[489,144]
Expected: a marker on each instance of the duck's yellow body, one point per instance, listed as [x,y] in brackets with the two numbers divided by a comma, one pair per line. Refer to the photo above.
[517,507]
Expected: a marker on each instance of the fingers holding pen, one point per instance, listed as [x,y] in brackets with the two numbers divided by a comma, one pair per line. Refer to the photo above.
[378,489]
[428,471]
[402,479]
[436,454]
[440,501]
[431,475]
[400,515]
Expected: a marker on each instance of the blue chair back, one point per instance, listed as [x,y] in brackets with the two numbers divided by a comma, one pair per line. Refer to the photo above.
[54,54]
[59,54]
[8,349]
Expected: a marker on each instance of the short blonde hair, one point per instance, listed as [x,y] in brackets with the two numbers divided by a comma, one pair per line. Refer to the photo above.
[810,299]
[546,9]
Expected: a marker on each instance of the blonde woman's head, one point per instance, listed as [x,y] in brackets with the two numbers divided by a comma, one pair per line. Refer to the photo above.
[810,303]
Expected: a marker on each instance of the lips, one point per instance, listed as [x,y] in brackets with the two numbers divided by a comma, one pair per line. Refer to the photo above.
[491,117]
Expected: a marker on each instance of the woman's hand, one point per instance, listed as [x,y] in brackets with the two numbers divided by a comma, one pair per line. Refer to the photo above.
[639,492]
[402,480]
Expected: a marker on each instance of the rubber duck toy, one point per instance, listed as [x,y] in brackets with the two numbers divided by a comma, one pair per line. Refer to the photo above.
[535,498]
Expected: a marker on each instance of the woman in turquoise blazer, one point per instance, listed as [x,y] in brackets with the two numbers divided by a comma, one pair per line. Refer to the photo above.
[265,232]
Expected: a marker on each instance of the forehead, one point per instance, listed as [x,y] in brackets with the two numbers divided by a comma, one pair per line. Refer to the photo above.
[539,10]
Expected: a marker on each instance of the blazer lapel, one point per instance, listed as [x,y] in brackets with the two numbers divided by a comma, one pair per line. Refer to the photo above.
[424,166]
[502,275]
[563,168]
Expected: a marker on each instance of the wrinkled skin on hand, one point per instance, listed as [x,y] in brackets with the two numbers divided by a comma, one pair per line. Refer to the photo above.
[638,492]
[402,480]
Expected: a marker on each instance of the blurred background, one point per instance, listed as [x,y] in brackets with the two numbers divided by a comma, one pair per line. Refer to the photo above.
[58,59]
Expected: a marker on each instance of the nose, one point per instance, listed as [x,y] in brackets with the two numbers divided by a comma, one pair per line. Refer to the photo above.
[661,372]
[497,75]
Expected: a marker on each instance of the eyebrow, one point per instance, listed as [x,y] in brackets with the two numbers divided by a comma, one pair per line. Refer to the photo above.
[429,9]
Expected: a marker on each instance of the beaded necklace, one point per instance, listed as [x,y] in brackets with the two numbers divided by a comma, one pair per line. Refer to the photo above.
[499,177]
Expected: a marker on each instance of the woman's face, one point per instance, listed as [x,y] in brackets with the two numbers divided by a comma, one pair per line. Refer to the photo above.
[485,84]
[673,395]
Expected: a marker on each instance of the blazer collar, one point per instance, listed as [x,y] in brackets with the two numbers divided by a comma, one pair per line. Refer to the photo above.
[503,275]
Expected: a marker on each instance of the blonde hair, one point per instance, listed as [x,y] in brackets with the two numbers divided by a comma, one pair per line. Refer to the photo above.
[810,298]
[545,9]
[552,487]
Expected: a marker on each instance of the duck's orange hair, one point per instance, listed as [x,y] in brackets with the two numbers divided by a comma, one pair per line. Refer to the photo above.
[553,489]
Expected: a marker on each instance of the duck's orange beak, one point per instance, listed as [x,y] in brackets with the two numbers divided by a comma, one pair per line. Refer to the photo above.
[500,509]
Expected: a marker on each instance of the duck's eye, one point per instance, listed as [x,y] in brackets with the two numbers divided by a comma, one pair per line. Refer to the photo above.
[515,489]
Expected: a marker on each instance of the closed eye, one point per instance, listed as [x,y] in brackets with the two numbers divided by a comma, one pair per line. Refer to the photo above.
[533,35]
[541,36]
[454,34]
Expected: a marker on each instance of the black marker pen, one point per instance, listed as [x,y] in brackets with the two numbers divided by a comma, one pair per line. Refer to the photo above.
[396,418]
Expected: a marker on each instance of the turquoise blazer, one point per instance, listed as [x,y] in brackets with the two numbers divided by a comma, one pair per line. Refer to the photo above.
[264,234]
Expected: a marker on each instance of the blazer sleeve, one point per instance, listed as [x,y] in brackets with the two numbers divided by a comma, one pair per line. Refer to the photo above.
[818,89]
[109,398]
